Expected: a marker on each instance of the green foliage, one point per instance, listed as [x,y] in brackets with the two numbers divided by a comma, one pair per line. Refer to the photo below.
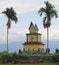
[49,11]
[11,14]
[57,50]
[56,57]
[3,53]
[25,56]
[6,57]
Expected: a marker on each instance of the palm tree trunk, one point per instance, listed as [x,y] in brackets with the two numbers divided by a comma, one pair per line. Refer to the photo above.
[8,26]
[7,39]
[47,39]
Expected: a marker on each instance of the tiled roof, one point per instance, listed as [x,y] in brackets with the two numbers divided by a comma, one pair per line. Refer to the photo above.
[33,43]
[33,34]
[31,25]
[36,27]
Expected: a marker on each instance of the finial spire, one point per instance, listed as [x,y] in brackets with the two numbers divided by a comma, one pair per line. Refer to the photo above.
[36,27]
[33,28]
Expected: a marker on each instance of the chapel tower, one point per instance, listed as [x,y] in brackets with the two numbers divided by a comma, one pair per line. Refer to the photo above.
[33,43]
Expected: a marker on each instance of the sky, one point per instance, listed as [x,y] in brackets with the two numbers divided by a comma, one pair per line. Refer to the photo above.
[27,11]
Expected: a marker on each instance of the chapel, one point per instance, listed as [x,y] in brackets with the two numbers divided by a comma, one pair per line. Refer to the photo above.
[33,42]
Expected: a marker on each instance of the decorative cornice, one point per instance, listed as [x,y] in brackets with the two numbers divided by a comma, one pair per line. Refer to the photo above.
[33,43]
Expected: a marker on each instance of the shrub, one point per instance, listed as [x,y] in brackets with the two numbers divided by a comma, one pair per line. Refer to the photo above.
[57,50]
[2,56]
[25,56]
[56,57]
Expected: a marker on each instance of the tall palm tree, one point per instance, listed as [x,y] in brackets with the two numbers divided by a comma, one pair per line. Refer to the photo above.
[11,15]
[49,13]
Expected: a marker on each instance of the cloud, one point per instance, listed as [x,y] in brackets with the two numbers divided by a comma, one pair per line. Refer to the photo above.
[2,38]
[18,35]
[21,5]
[55,2]
[19,30]
[53,34]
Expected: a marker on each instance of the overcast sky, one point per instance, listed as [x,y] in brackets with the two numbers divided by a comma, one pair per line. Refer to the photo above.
[26,12]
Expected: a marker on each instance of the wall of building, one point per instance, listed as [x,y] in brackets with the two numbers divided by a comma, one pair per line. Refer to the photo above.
[39,38]
[33,47]
[32,30]
[35,38]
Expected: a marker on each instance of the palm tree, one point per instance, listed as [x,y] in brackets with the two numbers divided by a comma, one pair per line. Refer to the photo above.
[11,15]
[49,13]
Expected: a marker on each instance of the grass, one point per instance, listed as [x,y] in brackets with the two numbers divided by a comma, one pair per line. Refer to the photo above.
[32,64]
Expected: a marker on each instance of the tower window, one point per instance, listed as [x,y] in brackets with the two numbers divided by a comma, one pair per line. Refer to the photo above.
[32,40]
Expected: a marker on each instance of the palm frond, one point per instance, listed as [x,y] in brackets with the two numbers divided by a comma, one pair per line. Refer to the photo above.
[12,10]
[49,13]
[48,5]
[44,20]
[14,18]
[44,24]
[54,13]
[11,14]
[41,11]
[4,12]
